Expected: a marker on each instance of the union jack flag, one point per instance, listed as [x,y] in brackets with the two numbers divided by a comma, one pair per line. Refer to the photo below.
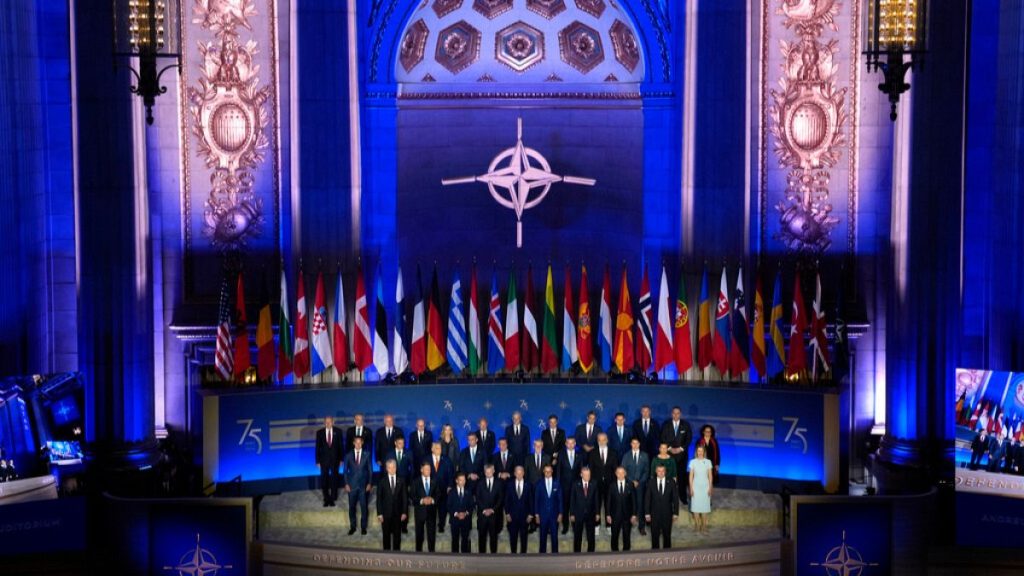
[224,359]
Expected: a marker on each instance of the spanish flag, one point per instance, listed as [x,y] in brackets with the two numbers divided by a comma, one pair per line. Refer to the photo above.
[757,355]
[704,346]
[622,353]
[435,331]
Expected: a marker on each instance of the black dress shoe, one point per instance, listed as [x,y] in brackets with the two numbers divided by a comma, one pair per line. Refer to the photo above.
[405,530]
[351,531]
[643,532]
[364,532]
[332,503]
[565,531]
[326,503]
[440,529]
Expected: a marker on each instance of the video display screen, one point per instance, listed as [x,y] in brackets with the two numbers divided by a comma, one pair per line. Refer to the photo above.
[988,417]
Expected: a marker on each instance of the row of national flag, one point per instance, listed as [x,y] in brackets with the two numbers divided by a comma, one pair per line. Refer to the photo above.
[515,337]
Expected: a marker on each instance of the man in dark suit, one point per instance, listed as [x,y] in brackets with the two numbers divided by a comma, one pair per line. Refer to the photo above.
[547,507]
[996,453]
[504,462]
[471,463]
[583,511]
[490,498]
[621,509]
[518,436]
[385,439]
[678,433]
[586,434]
[423,495]
[420,441]
[442,471]
[662,508]
[1010,464]
[536,462]
[603,462]
[460,509]
[638,470]
[570,462]
[518,510]
[978,448]
[392,506]
[358,484]
[358,430]
[647,430]
[620,434]
[403,464]
[329,442]
[488,440]
[553,438]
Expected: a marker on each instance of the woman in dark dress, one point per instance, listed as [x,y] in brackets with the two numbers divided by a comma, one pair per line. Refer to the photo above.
[450,445]
[710,443]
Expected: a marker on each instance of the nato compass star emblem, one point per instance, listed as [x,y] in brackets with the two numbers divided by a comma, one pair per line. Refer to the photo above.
[843,560]
[198,562]
[514,174]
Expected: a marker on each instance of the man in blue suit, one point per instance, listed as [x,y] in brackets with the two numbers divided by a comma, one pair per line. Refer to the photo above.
[358,483]
[638,471]
[619,435]
[547,507]
[518,510]
[460,508]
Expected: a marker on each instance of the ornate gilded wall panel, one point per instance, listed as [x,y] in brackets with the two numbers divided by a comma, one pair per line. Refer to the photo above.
[808,101]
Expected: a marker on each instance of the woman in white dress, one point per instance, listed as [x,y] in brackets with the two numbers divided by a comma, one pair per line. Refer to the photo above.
[700,489]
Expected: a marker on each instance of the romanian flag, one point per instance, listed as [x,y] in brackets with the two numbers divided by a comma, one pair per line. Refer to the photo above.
[284,332]
[623,350]
[435,330]
[264,338]
[549,340]
[796,365]
[242,360]
[682,337]
[758,352]
[511,325]
[776,346]
[704,348]
[721,340]
[584,336]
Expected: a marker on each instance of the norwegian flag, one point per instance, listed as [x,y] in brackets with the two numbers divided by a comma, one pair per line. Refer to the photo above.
[645,350]
[224,356]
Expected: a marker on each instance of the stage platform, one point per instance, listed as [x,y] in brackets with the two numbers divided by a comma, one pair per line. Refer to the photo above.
[299,517]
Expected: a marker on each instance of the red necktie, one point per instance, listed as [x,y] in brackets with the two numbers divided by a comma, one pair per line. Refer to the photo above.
[357,458]
[584,489]
[328,437]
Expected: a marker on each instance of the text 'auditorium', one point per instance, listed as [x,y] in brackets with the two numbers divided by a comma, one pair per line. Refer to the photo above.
[508,287]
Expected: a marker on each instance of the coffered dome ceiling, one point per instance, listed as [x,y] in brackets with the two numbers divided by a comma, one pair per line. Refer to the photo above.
[519,41]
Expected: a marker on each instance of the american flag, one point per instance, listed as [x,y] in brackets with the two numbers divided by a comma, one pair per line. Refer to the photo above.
[224,355]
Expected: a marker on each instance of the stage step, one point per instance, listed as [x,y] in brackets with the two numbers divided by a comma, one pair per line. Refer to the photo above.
[299,517]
